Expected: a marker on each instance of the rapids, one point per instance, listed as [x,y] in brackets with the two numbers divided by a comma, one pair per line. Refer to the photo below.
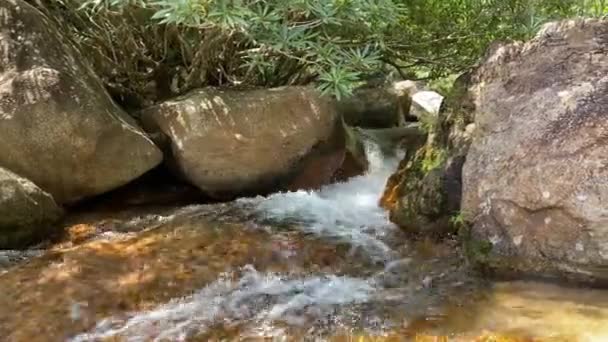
[306,265]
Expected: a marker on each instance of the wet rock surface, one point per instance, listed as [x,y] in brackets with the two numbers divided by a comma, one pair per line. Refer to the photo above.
[424,193]
[116,274]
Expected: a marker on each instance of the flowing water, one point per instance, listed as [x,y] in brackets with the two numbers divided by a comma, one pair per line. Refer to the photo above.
[322,265]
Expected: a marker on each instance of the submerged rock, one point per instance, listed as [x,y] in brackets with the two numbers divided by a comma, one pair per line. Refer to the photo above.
[58,126]
[26,212]
[229,142]
[535,179]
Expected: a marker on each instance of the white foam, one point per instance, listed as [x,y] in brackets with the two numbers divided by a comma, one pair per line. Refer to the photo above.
[255,297]
[346,212]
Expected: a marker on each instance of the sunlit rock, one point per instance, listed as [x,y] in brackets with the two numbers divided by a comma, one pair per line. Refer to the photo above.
[230,142]
[426,103]
[535,181]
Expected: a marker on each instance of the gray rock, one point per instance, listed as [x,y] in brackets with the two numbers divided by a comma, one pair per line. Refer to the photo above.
[535,181]
[26,212]
[58,126]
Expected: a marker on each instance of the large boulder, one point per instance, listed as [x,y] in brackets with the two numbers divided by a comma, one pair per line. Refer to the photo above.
[535,180]
[58,126]
[240,142]
[26,212]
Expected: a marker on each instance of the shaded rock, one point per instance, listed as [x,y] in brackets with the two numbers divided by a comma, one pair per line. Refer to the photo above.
[355,159]
[378,107]
[229,142]
[391,140]
[157,187]
[58,126]
[535,180]
[26,212]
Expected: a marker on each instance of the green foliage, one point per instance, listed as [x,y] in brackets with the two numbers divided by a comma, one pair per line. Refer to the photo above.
[443,37]
[477,251]
[337,44]
[433,159]
[458,221]
[443,85]
[283,42]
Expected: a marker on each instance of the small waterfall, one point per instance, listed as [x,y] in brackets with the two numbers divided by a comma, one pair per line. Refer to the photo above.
[343,212]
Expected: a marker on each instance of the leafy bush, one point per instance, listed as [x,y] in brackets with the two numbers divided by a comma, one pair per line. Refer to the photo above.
[146,50]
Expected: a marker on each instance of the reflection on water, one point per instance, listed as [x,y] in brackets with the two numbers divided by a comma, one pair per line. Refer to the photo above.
[322,265]
[534,309]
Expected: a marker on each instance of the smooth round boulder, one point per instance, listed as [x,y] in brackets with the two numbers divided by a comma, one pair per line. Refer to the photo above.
[26,212]
[247,142]
[535,180]
[58,126]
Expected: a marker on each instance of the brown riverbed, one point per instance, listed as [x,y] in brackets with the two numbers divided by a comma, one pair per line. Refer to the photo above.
[302,266]
[93,275]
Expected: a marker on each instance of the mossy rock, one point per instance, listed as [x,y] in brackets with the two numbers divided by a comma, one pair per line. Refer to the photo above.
[421,200]
[425,192]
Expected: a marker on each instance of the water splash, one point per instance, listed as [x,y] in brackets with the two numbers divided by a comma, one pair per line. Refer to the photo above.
[344,212]
[262,298]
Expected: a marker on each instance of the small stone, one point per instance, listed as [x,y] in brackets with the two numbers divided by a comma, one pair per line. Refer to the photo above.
[495,239]
[517,240]
[427,281]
